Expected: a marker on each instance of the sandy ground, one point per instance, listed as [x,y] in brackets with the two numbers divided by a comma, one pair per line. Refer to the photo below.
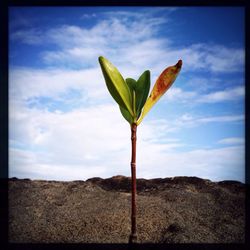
[170,210]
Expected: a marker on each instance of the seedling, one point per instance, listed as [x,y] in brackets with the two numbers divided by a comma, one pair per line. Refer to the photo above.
[134,103]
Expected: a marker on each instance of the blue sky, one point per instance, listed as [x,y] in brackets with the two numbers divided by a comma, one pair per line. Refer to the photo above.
[64,125]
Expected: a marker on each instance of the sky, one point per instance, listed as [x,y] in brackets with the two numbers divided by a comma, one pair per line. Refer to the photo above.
[63,123]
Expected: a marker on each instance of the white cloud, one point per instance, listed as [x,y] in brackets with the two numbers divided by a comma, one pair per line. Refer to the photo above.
[214,164]
[84,16]
[89,83]
[212,58]
[224,95]
[225,118]
[87,141]
[110,37]
[232,140]
[153,160]
[188,120]
[130,38]
[29,166]
[165,127]
[27,83]
[193,97]
[93,139]
[120,42]
[221,59]
[80,140]
[142,13]
[30,36]
[176,94]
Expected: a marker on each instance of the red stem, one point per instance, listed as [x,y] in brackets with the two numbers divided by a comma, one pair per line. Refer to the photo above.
[133,236]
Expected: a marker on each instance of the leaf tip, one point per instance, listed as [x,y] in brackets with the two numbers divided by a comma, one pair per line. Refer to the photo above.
[100,59]
[179,64]
[147,72]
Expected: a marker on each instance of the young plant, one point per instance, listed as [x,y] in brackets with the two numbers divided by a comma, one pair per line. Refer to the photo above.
[132,98]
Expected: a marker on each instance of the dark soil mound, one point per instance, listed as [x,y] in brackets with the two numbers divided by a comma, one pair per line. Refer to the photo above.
[169,210]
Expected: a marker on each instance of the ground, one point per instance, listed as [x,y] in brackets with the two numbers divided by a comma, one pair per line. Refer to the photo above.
[169,210]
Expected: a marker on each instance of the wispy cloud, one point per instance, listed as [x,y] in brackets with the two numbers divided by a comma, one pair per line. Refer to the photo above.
[125,35]
[84,16]
[30,36]
[193,97]
[166,127]
[232,140]
[177,94]
[113,37]
[188,120]
[225,95]
[136,41]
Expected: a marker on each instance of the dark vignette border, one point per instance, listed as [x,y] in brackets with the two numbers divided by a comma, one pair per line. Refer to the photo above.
[4,5]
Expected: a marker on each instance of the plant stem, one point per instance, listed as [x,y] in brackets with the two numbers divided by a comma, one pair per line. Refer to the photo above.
[133,236]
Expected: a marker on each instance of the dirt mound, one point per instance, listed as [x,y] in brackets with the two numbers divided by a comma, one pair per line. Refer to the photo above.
[122,183]
[169,210]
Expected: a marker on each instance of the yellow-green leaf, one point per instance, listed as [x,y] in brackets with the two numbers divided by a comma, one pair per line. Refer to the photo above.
[163,83]
[116,85]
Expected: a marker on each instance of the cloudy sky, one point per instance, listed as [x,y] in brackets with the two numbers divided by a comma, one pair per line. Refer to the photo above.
[64,125]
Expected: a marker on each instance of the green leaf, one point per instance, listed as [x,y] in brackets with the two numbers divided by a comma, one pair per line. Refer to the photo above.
[132,86]
[142,90]
[131,83]
[126,115]
[116,85]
